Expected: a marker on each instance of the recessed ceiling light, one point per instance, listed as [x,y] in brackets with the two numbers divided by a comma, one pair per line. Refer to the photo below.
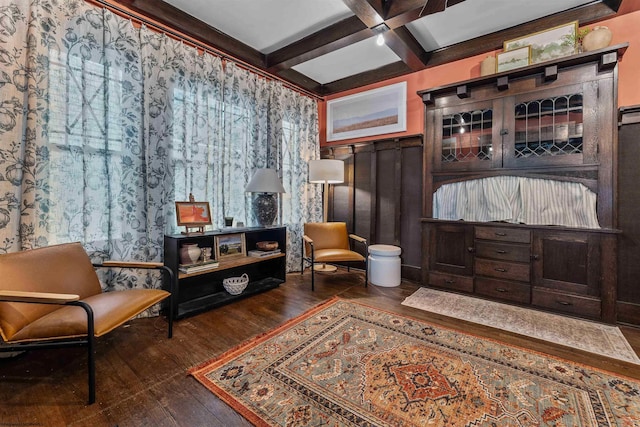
[380,40]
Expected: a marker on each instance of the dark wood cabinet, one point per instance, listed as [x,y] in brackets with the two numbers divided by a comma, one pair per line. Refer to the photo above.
[381,198]
[567,261]
[451,249]
[201,291]
[574,272]
[628,295]
[450,256]
[570,270]
[553,121]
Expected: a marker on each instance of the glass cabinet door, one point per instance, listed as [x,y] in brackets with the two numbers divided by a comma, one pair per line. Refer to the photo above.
[547,128]
[466,138]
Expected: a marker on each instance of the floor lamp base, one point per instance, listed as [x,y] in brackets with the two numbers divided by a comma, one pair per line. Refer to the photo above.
[324,268]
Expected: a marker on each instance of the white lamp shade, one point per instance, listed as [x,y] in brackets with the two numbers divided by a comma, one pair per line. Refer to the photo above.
[265,181]
[326,171]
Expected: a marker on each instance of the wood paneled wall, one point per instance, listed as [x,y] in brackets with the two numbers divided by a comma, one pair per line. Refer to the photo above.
[628,299]
[381,198]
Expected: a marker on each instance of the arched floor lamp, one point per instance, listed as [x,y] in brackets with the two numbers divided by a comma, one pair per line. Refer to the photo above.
[326,171]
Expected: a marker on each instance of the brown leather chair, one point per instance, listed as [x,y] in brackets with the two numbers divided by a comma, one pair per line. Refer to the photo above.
[328,242]
[51,297]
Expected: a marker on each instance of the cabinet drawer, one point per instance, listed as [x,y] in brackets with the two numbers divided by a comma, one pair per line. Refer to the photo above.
[503,234]
[502,269]
[451,281]
[503,251]
[509,291]
[567,303]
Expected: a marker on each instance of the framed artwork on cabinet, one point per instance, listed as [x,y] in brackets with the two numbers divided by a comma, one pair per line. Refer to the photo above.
[512,59]
[548,44]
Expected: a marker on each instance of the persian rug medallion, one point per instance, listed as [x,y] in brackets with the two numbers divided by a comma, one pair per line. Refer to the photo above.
[347,364]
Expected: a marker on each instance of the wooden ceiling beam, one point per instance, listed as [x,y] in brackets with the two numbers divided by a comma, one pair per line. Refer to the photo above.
[403,44]
[404,12]
[302,81]
[400,40]
[397,8]
[380,6]
[344,33]
[379,74]
[365,12]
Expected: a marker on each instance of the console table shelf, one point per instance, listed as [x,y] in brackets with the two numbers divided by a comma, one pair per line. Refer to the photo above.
[225,265]
[207,302]
[203,290]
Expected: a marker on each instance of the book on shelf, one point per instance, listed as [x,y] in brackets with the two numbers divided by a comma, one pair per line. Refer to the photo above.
[197,267]
[263,254]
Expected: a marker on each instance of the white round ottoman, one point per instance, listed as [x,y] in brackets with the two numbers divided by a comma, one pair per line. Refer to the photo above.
[384,265]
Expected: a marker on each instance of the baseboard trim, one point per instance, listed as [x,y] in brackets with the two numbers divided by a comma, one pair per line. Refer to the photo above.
[628,313]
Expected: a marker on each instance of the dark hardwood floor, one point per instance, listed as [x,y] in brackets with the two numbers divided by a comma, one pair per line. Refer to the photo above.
[142,376]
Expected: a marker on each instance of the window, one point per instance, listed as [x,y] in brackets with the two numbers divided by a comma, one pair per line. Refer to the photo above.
[85,140]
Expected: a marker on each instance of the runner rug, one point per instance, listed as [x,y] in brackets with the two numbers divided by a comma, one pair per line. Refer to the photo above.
[346,364]
[606,340]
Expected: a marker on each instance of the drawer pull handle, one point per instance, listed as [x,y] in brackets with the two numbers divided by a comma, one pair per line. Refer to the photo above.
[500,234]
[449,281]
[501,270]
[500,251]
[501,290]
[565,303]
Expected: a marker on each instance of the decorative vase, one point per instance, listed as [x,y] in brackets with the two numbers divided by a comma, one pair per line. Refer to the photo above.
[597,38]
[488,66]
[265,209]
[190,253]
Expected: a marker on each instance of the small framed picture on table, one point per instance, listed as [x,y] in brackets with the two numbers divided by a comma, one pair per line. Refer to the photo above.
[193,215]
[230,246]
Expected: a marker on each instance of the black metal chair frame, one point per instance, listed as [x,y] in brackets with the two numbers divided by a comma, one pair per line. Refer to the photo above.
[89,340]
[311,259]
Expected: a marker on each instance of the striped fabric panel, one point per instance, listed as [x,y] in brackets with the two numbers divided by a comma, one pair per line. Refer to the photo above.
[517,200]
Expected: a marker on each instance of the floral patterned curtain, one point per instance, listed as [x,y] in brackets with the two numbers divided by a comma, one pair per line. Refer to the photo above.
[293,126]
[103,126]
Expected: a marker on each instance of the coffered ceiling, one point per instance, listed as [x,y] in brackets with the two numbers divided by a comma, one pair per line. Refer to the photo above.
[328,46]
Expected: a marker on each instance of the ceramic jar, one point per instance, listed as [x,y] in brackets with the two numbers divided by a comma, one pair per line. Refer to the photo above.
[189,253]
[598,38]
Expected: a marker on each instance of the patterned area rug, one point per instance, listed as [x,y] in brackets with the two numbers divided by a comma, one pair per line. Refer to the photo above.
[606,340]
[346,364]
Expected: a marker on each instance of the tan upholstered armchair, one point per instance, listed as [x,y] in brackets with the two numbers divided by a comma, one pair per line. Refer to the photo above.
[327,242]
[51,297]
